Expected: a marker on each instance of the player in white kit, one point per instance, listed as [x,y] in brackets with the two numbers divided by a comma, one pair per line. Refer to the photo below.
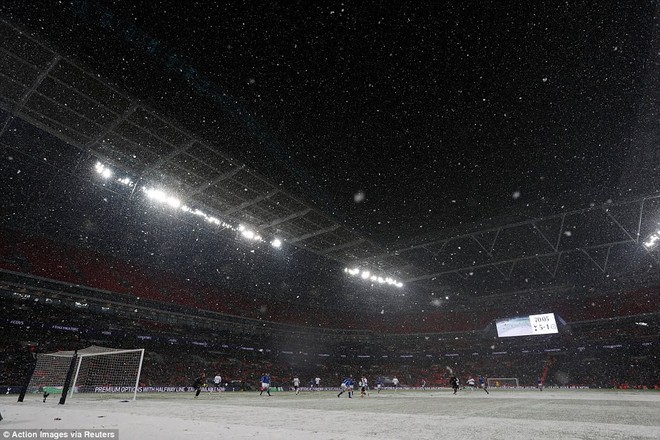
[296,384]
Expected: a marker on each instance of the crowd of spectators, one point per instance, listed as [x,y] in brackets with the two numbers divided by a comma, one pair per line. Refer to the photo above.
[598,347]
[31,328]
[42,257]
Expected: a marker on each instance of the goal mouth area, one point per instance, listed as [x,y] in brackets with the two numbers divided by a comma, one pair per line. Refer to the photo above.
[503,382]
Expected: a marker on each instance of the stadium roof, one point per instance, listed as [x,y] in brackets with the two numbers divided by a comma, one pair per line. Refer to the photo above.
[586,245]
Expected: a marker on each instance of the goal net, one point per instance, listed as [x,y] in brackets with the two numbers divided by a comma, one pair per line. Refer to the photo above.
[502,382]
[50,372]
[95,370]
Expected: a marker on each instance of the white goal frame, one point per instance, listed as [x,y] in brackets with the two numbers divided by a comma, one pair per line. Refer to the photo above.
[84,356]
[58,366]
[493,380]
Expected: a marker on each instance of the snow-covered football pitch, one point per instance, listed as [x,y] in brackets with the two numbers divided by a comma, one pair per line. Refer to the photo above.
[401,414]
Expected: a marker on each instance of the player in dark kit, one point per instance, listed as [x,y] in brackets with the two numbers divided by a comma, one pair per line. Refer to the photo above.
[483,383]
[265,384]
[454,383]
[347,385]
[198,384]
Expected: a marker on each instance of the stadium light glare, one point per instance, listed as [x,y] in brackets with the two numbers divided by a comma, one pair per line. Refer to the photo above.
[126,181]
[173,202]
[104,171]
[155,194]
[652,240]
[250,234]
[162,196]
[367,275]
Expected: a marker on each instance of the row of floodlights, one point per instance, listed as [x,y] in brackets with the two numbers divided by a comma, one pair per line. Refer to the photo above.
[163,197]
[172,201]
[368,276]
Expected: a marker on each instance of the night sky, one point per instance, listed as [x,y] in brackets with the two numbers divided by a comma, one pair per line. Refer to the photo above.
[397,118]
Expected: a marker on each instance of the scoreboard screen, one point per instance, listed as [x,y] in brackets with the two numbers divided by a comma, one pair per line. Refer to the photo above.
[543,324]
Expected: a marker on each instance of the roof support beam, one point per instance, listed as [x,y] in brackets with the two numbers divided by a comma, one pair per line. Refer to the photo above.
[113,125]
[376,257]
[35,85]
[342,246]
[248,203]
[172,154]
[460,270]
[210,183]
[281,220]
[313,234]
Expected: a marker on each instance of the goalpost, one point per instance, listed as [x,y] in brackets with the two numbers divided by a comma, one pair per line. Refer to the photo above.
[50,373]
[503,382]
[93,369]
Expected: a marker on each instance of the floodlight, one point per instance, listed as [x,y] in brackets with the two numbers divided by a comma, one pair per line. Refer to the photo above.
[155,194]
[652,240]
[247,233]
[277,243]
[103,170]
[367,275]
